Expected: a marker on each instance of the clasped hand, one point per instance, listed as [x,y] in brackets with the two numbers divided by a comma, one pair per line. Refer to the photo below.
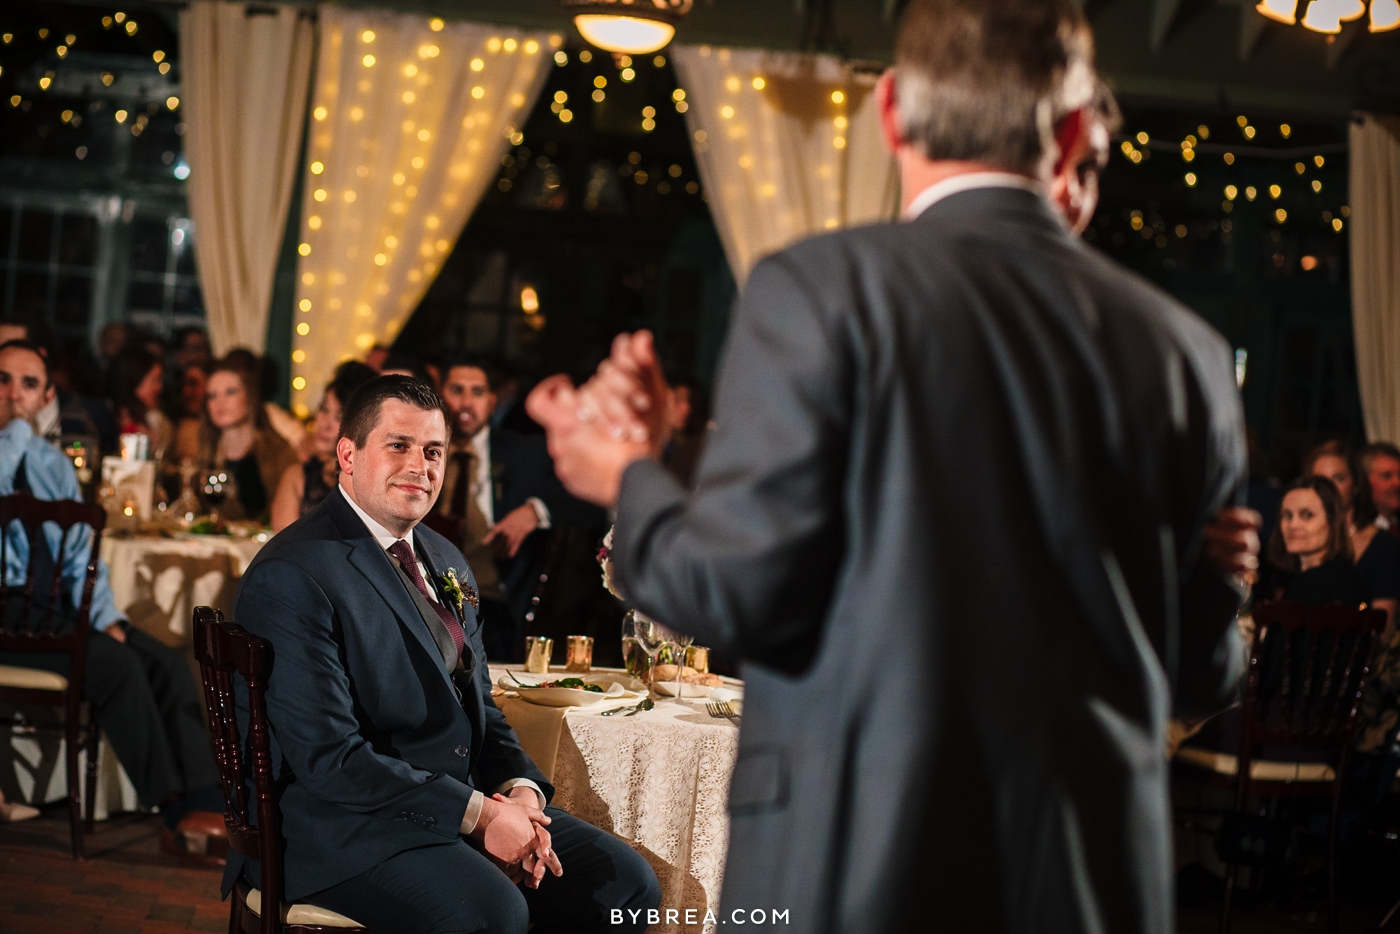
[619,416]
[512,831]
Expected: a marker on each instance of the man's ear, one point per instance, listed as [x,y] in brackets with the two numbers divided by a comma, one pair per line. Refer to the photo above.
[345,456]
[49,393]
[1071,137]
[888,104]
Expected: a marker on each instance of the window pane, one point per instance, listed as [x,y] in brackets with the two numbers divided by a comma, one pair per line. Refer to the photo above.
[184,263]
[31,294]
[73,303]
[149,241]
[78,246]
[145,296]
[188,299]
[35,235]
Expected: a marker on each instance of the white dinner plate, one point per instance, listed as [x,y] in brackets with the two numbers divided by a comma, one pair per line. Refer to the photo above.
[668,689]
[562,697]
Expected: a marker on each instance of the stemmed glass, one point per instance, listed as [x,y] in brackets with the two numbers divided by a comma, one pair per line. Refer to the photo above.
[651,636]
[678,643]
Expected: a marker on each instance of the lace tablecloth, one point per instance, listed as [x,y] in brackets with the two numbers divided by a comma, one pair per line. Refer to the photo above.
[659,780]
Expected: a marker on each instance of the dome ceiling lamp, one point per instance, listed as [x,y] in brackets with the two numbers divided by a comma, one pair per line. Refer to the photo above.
[1327,16]
[627,27]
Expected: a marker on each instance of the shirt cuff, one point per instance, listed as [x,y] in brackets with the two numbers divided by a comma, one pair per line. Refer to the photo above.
[541,512]
[505,788]
[473,815]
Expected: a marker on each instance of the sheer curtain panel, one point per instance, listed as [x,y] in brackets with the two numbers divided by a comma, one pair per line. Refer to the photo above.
[245,73]
[1375,270]
[410,118]
[788,145]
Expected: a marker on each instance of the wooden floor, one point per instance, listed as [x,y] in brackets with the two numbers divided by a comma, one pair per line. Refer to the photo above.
[125,887]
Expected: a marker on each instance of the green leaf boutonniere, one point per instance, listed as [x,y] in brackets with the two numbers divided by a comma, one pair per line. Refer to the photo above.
[457,592]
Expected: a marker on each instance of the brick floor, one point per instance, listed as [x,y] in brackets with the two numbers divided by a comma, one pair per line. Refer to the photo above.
[126,887]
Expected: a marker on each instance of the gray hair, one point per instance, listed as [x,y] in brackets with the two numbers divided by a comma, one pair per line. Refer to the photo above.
[988,80]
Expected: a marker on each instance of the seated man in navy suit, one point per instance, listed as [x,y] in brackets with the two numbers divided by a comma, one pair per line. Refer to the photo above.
[407,802]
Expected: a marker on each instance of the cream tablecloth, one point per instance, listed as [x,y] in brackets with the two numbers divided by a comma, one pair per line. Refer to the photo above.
[658,780]
[157,582]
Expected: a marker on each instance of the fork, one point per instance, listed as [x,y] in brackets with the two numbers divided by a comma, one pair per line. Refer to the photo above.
[721,710]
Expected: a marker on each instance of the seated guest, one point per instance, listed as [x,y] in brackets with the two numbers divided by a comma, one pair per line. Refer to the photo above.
[67,418]
[264,378]
[136,381]
[304,486]
[385,738]
[238,442]
[1309,554]
[141,692]
[500,491]
[194,382]
[192,348]
[1379,463]
[1377,556]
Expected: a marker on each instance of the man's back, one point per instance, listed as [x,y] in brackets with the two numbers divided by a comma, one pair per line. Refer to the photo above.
[957,467]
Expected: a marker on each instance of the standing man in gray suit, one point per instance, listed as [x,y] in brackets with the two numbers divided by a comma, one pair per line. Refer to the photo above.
[952,517]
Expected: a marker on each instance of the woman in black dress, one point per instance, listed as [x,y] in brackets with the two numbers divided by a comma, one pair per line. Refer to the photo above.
[303,486]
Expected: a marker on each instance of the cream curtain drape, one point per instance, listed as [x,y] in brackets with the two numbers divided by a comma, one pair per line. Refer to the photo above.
[1375,270]
[410,118]
[245,78]
[788,145]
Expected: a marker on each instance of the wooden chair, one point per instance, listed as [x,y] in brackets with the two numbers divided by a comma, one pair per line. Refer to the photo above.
[1296,731]
[223,650]
[37,627]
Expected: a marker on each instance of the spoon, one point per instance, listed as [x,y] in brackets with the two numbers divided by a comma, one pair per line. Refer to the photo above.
[644,704]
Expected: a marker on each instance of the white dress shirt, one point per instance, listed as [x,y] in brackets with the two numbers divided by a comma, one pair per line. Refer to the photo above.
[386,539]
[966,182]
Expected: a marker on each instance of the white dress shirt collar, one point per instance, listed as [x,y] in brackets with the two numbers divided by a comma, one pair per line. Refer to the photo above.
[383,536]
[966,182]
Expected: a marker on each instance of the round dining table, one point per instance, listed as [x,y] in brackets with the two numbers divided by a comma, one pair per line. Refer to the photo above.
[658,780]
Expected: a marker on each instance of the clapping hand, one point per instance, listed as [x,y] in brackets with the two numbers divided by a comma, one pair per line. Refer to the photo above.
[596,430]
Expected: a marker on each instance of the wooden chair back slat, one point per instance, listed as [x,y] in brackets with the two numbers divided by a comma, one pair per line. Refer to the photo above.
[1327,653]
[20,632]
[224,651]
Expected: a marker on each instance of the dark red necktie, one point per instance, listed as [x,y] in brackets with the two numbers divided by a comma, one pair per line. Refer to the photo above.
[409,564]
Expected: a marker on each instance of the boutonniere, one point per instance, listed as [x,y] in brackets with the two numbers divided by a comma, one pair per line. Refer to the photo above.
[457,592]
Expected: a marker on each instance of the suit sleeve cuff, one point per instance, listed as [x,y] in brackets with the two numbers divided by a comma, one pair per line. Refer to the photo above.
[505,788]
[541,511]
[473,814]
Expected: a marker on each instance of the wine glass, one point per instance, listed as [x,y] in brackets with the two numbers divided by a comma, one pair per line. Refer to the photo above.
[650,636]
[633,658]
[678,642]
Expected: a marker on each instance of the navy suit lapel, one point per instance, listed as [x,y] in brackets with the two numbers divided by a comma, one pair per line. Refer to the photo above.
[370,560]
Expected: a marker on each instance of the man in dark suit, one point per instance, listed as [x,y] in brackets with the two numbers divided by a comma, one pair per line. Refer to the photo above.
[501,494]
[951,516]
[407,802]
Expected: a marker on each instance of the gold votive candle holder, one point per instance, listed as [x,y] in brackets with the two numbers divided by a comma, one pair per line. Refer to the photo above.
[580,656]
[698,657]
[538,650]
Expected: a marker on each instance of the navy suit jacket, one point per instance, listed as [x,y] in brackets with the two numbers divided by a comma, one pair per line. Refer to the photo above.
[377,746]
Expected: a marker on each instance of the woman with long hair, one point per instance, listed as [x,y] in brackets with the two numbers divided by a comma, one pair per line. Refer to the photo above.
[1377,556]
[236,442]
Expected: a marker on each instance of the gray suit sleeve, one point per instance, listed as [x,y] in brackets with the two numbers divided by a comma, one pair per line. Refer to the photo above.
[311,709]
[1212,652]
[747,562]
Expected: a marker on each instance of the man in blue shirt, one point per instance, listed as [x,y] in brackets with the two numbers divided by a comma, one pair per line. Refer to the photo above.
[140,690]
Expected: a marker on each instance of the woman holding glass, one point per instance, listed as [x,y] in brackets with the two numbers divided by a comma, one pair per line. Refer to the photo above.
[137,379]
[237,445]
